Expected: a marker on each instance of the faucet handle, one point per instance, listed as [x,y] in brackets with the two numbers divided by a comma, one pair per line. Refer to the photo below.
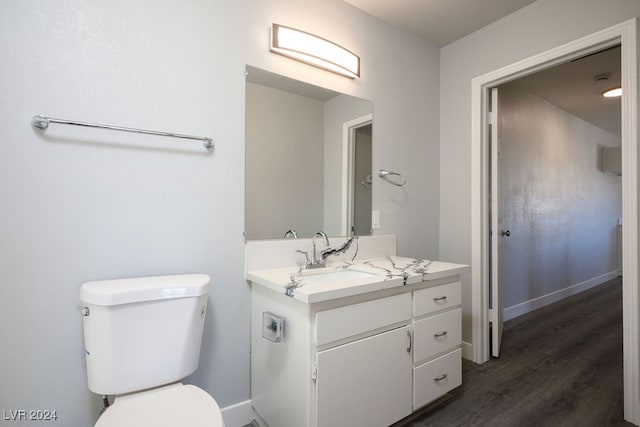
[323,235]
[291,233]
[306,257]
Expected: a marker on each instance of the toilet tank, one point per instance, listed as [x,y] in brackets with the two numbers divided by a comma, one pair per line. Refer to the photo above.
[143,332]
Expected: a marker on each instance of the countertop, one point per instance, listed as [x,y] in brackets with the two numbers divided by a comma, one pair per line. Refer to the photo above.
[383,273]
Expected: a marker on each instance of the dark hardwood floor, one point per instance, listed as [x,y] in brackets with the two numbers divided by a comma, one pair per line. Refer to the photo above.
[560,365]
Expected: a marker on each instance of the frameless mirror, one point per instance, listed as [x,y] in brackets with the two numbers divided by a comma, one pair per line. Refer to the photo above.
[307,159]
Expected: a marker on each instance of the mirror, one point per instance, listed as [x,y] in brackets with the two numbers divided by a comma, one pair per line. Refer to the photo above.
[307,159]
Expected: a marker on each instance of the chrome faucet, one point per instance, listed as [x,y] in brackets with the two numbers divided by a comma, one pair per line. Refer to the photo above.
[315,261]
[320,261]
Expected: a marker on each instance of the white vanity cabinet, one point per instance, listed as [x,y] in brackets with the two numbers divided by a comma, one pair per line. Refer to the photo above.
[362,360]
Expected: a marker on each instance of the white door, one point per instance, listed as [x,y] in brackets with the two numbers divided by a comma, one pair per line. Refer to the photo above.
[497,232]
[366,382]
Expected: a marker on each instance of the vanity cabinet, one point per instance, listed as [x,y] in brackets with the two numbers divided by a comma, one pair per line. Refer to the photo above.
[363,360]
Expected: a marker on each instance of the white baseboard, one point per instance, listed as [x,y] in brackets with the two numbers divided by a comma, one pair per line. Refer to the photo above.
[467,350]
[238,415]
[539,302]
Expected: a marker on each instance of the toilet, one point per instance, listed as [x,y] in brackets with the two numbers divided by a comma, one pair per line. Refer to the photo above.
[142,337]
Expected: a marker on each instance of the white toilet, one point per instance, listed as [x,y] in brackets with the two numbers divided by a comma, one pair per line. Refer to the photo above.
[142,336]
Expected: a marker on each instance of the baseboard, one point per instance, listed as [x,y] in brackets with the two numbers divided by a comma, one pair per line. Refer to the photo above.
[238,415]
[541,301]
[467,351]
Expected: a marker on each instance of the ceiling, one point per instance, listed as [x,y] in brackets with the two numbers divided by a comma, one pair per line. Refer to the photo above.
[569,86]
[574,88]
[440,22]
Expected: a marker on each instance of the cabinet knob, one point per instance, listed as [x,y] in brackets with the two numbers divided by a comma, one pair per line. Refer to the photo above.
[410,341]
[440,334]
[440,299]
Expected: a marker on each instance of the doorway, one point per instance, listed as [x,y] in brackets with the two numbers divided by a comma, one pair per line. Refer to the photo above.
[559,209]
[625,35]
[362,181]
[356,171]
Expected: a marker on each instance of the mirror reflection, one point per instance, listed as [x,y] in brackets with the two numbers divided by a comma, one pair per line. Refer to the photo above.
[308,159]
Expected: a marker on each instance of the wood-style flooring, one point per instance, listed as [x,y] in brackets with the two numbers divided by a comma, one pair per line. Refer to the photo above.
[560,365]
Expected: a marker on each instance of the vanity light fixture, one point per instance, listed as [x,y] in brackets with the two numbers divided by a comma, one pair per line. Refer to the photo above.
[613,92]
[314,50]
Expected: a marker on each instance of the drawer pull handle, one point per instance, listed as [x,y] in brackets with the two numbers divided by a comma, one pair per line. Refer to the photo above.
[440,299]
[440,334]
[410,341]
[440,378]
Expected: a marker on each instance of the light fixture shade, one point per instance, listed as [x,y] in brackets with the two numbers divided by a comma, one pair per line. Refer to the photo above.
[613,92]
[314,50]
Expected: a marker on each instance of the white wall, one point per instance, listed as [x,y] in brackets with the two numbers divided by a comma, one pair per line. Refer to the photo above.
[284,162]
[561,209]
[81,204]
[538,27]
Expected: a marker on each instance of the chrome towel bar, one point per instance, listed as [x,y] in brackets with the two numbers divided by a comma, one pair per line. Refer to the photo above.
[393,177]
[42,122]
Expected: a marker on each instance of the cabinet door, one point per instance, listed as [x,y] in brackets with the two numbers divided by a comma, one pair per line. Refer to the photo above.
[366,382]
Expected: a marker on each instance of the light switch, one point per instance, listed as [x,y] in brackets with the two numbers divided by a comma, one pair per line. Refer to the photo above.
[375,220]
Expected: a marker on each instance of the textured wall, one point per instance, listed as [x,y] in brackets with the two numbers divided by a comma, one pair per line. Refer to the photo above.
[562,211]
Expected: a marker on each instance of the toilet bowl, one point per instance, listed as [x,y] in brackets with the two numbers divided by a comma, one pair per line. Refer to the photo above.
[142,337]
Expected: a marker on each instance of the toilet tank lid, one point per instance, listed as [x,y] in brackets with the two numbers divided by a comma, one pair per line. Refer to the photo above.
[125,291]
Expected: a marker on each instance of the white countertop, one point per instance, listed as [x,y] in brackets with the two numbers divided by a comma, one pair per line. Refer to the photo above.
[386,272]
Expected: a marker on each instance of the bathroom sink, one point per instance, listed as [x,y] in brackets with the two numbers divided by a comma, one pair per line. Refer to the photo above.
[332,276]
[315,285]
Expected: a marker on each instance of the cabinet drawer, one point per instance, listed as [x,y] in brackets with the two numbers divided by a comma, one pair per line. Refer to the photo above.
[437,298]
[436,378]
[344,322]
[437,334]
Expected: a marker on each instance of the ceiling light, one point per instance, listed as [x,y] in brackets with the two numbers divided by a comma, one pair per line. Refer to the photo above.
[613,92]
[314,50]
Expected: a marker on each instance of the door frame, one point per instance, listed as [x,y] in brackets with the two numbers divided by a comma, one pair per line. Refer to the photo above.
[495,274]
[348,153]
[624,34]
